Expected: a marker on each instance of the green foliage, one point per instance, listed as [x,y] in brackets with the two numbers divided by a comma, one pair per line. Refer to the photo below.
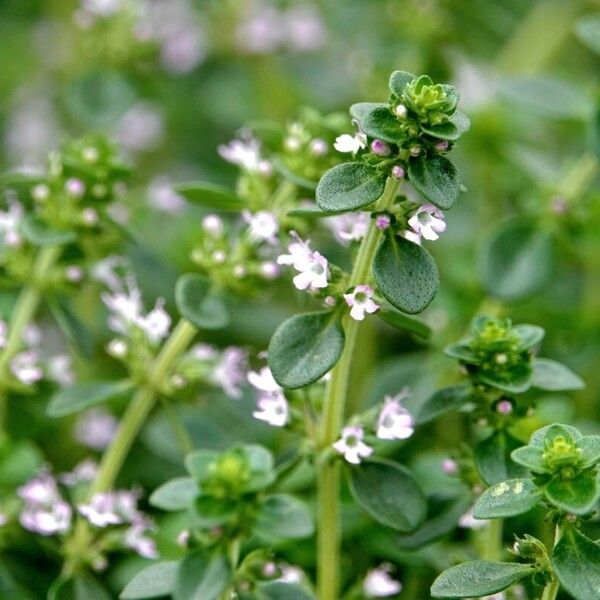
[507,499]
[83,395]
[435,179]
[210,195]
[305,347]
[281,516]
[388,492]
[154,581]
[198,304]
[201,577]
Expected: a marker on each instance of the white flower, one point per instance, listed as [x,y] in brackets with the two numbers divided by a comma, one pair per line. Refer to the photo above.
[156,323]
[411,236]
[111,508]
[230,371]
[395,422]
[263,380]
[47,520]
[468,521]
[379,584]
[117,348]
[96,428]
[3,333]
[126,307]
[263,225]
[9,224]
[350,143]
[107,271]
[25,367]
[244,153]
[351,445]
[136,540]
[312,266]
[162,196]
[361,301]
[84,472]
[349,227]
[39,490]
[291,574]
[59,369]
[273,409]
[428,222]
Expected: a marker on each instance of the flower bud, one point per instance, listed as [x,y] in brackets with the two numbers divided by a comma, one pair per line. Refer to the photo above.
[398,172]
[90,154]
[75,187]
[318,147]
[415,150]
[212,224]
[504,407]
[401,111]
[89,216]
[380,148]
[383,221]
[442,146]
[40,192]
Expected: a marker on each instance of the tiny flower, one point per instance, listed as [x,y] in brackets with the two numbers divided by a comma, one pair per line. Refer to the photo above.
[395,422]
[32,336]
[156,323]
[230,372]
[269,570]
[183,538]
[318,147]
[74,273]
[101,510]
[84,472]
[262,226]
[213,225]
[361,301]
[312,266]
[140,128]
[162,196]
[504,407]
[379,584]
[96,428]
[90,154]
[383,221]
[290,574]
[59,369]
[142,544]
[3,333]
[75,187]
[10,221]
[428,222]
[269,270]
[398,172]
[415,150]
[442,146]
[380,148]
[292,143]
[263,380]
[350,143]
[449,466]
[48,519]
[468,521]
[329,301]
[219,257]
[25,367]
[240,271]
[40,192]
[351,445]
[349,227]
[89,216]
[41,489]
[117,348]
[273,409]
[244,153]
[401,111]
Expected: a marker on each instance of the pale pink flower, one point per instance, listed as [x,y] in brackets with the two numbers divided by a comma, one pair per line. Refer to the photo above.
[230,372]
[346,143]
[349,227]
[96,428]
[394,421]
[428,222]
[272,408]
[379,583]
[361,301]
[262,226]
[351,445]
[25,367]
[312,267]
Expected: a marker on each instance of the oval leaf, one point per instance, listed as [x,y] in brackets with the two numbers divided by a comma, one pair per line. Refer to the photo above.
[478,578]
[518,260]
[507,499]
[436,179]
[39,234]
[176,494]
[578,495]
[281,516]
[493,458]
[200,577]
[388,492]
[154,581]
[83,395]
[305,347]
[576,561]
[210,195]
[554,376]
[77,588]
[406,274]
[404,322]
[197,304]
[377,121]
[398,81]
[443,401]
[350,186]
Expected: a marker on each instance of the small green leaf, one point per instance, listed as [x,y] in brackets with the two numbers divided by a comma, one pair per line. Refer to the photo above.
[196,303]
[588,31]
[210,195]
[40,234]
[176,494]
[83,395]
[478,578]
[578,495]
[450,130]
[350,186]
[443,401]
[436,179]
[198,463]
[277,590]
[155,581]
[305,347]
[404,322]
[310,212]
[530,335]
[443,521]
[507,499]
[80,587]
[547,435]
[388,492]
[547,97]
[554,376]
[200,577]
[377,121]
[518,260]
[531,458]
[493,458]
[398,81]
[576,562]
[406,274]
[281,516]
[463,352]
[590,450]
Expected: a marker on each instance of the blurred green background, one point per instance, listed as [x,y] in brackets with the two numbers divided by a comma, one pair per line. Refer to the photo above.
[173,79]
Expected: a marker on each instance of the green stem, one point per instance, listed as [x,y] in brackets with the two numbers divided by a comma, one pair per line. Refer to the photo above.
[24,312]
[492,540]
[328,476]
[551,589]
[184,440]
[131,423]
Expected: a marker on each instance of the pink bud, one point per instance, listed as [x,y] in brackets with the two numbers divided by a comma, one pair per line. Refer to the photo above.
[383,221]
[504,407]
[398,172]
[380,148]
